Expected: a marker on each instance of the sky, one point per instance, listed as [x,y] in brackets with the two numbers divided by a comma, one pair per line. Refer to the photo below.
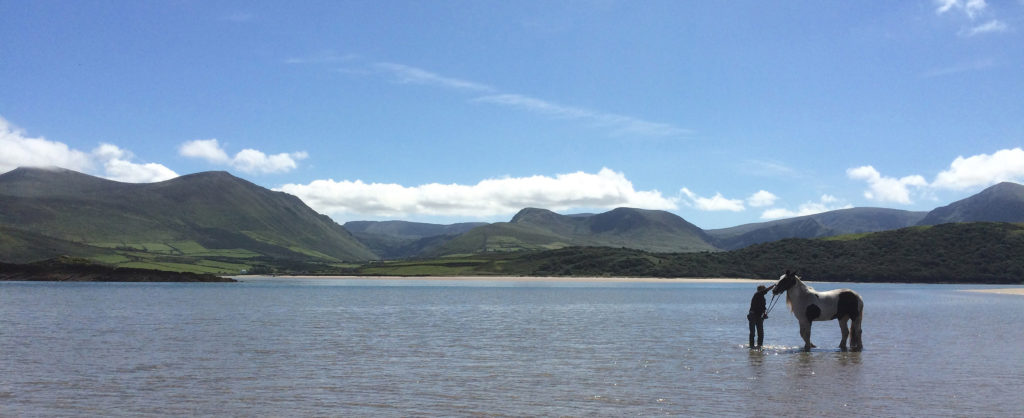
[724,113]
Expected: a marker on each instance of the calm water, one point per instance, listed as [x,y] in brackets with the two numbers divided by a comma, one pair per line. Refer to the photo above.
[357,347]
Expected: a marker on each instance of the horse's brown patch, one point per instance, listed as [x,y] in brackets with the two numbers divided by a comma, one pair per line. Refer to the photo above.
[848,305]
[813,311]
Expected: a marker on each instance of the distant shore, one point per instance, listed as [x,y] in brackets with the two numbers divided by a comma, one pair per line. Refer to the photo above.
[525,279]
[1001,291]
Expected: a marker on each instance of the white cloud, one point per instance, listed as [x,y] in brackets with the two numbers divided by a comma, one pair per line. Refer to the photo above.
[247,160]
[964,67]
[971,8]
[618,124]
[970,11]
[206,149]
[718,202]
[963,173]
[20,150]
[987,27]
[117,166]
[116,163]
[413,75]
[491,197]
[766,168]
[943,6]
[761,199]
[824,204]
[982,170]
[886,189]
[713,203]
[253,161]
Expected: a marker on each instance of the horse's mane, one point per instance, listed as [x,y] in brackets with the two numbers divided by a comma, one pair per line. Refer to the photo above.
[799,282]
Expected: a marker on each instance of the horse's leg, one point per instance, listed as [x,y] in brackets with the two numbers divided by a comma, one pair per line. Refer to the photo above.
[805,332]
[845,330]
[855,339]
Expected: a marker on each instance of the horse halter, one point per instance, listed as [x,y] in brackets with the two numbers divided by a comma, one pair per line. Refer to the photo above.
[787,281]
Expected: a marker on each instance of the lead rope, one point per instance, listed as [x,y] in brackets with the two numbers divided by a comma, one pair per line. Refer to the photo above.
[771,305]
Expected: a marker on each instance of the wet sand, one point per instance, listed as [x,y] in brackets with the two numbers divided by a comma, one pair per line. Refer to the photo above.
[530,279]
[1004,291]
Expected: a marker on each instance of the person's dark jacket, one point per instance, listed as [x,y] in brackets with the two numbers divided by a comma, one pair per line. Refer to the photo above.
[757,305]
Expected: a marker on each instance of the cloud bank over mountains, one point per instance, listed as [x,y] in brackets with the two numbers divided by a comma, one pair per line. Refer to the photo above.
[247,160]
[495,197]
[491,197]
[118,164]
[106,160]
[963,173]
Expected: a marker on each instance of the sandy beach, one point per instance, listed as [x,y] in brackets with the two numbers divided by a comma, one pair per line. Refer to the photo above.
[530,279]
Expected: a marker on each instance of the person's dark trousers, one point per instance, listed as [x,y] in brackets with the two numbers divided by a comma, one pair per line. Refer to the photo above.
[757,324]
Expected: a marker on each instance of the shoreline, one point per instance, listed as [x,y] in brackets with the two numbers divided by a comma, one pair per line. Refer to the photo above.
[594,279]
[525,279]
[1001,291]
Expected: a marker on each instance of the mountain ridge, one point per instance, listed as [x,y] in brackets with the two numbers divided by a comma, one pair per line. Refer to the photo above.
[45,212]
[542,229]
[214,211]
[1003,202]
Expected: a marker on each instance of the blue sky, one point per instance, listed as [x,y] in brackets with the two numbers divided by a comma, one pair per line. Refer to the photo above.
[721,112]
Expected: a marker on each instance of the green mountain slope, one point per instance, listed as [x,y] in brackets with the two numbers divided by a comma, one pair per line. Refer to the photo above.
[1003,202]
[832,223]
[540,229]
[400,239]
[212,214]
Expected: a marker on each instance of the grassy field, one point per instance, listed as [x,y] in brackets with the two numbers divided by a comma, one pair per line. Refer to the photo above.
[448,266]
[183,256]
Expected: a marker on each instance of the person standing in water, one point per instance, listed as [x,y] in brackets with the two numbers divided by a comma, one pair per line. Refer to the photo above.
[757,315]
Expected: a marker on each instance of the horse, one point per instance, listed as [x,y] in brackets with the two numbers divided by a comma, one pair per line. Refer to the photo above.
[809,305]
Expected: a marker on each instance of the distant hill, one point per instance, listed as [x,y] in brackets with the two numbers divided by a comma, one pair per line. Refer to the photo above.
[67,269]
[211,216]
[978,252]
[401,239]
[1003,202]
[826,224]
[541,229]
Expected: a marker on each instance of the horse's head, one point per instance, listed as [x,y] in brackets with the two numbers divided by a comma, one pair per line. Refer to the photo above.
[785,282]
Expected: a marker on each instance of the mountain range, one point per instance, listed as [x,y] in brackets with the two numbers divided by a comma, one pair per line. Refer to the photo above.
[212,217]
[216,222]
[660,231]
[541,229]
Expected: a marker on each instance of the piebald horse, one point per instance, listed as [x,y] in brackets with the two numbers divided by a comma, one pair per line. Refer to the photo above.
[809,305]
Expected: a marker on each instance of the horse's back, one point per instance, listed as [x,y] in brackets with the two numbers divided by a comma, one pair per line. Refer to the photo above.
[836,304]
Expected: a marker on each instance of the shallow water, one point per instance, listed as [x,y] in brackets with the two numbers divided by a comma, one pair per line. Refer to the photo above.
[398,347]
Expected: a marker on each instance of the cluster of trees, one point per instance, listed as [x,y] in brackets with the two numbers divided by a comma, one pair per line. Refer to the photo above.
[962,253]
